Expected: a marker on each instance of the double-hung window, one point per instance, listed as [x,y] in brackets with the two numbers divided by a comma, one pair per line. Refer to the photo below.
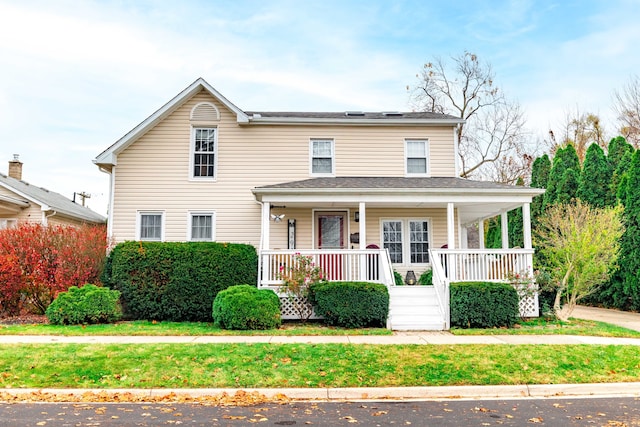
[204,153]
[201,226]
[150,226]
[406,239]
[322,153]
[417,157]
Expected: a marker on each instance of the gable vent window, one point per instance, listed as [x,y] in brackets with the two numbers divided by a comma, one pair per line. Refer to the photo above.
[205,112]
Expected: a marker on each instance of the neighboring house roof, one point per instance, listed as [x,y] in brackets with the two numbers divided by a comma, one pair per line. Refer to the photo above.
[109,156]
[49,200]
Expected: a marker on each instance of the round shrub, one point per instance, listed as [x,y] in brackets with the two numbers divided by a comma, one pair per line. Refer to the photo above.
[426,278]
[483,305]
[351,304]
[86,305]
[246,307]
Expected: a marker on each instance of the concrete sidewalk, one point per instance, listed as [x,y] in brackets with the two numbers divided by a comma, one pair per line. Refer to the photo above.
[420,338]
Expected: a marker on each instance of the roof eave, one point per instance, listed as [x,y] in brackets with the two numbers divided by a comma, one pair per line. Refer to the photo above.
[527,191]
[340,121]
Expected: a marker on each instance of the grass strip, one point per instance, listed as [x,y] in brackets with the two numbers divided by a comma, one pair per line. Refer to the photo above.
[304,365]
[555,327]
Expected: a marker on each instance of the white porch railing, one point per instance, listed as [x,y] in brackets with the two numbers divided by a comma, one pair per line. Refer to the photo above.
[485,265]
[369,265]
[441,286]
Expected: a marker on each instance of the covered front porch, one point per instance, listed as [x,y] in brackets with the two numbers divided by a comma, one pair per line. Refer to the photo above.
[365,229]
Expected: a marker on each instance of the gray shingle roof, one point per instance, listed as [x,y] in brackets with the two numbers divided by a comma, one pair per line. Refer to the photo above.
[352,115]
[391,183]
[55,201]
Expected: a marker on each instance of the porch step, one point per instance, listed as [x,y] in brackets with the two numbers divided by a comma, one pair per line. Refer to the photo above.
[414,308]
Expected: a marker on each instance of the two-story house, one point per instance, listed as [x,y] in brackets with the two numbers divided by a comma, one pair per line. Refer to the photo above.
[363,193]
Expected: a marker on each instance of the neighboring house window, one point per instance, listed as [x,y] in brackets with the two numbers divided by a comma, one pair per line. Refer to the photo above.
[322,157]
[406,239]
[417,155]
[8,223]
[201,226]
[150,226]
[204,148]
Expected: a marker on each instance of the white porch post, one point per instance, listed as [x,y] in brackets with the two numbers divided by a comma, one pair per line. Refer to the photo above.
[266,211]
[504,224]
[526,225]
[363,225]
[464,244]
[481,234]
[451,234]
[362,232]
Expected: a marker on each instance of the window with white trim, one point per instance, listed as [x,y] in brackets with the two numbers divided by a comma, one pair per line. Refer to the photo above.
[406,239]
[322,153]
[204,152]
[201,226]
[417,156]
[8,223]
[150,226]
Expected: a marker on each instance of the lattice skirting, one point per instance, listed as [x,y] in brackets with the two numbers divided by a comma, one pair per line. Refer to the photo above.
[528,305]
[288,310]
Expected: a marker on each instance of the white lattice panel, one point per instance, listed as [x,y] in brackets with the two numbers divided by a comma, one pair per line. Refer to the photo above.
[288,308]
[528,303]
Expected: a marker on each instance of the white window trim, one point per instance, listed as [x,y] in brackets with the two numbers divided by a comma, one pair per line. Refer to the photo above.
[192,152]
[190,223]
[162,225]
[406,157]
[333,157]
[406,238]
[8,223]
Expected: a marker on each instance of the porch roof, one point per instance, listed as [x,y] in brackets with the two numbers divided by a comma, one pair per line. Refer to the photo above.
[474,199]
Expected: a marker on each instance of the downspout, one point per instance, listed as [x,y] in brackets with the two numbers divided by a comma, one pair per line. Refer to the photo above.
[260,243]
[112,184]
[46,217]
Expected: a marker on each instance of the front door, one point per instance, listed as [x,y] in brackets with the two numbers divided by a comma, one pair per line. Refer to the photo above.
[331,232]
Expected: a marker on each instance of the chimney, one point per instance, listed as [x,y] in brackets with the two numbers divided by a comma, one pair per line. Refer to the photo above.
[15,167]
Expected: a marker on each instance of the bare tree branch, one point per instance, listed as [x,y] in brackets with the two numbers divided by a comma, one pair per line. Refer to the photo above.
[626,104]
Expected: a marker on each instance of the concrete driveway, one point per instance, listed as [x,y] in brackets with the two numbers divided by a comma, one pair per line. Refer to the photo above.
[615,317]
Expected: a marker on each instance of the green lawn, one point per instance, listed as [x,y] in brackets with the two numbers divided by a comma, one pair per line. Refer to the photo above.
[300,365]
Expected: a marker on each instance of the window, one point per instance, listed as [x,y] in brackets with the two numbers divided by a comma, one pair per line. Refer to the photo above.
[204,153]
[150,226]
[201,226]
[322,157]
[8,223]
[406,239]
[417,154]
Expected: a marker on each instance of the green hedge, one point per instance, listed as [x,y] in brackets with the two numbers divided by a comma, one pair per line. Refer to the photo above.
[426,278]
[176,281]
[351,304]
[483,305]
[86,305]
[246,307]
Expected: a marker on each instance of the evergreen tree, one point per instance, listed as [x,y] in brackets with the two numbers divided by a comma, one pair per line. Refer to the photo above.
[493,238]
[566,158]
[516,232]
[619,157]
[539,179]
[626,293]
[619,179]
[567,191]
[595,181]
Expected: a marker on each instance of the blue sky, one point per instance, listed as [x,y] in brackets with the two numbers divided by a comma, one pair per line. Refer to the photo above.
[77,75]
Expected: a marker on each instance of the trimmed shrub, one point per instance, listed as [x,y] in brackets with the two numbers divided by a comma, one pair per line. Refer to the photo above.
[426,278]
[176,281]
[86,305]
[351,304]
[397,277]
[483,305]
[246,307]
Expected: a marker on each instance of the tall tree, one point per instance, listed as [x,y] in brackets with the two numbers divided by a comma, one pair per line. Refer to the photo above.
[492,138]
[567,190]
[619,157]
[566,158]
[514,220]
[627,107]
[595,180]
[539,179]
[579,129]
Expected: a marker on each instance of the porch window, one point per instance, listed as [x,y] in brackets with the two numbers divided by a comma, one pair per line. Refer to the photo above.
[322,157]
[204,148]
[150,226]
[406,239]
[417,155]
[201,226]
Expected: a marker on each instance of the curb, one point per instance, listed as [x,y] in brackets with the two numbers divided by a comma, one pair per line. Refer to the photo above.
[371,393]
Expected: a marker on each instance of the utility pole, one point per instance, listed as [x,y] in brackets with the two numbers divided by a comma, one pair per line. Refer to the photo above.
[83,196]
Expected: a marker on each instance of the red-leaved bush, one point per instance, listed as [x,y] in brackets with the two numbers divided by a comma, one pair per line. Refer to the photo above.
[37,262]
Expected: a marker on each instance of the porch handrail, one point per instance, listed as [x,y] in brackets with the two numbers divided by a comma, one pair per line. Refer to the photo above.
[372,265]
[490,265]
[441,286]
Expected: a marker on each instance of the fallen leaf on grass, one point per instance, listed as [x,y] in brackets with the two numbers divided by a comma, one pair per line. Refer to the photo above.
[378,413]
[536,420]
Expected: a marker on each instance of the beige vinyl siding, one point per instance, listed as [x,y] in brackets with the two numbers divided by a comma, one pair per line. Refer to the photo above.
[153,174]
[33,213]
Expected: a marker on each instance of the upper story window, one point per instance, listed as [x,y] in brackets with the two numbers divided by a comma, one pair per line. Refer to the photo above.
[417,157]
[204,153]
[201,226]
[151,226]
[322,155]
